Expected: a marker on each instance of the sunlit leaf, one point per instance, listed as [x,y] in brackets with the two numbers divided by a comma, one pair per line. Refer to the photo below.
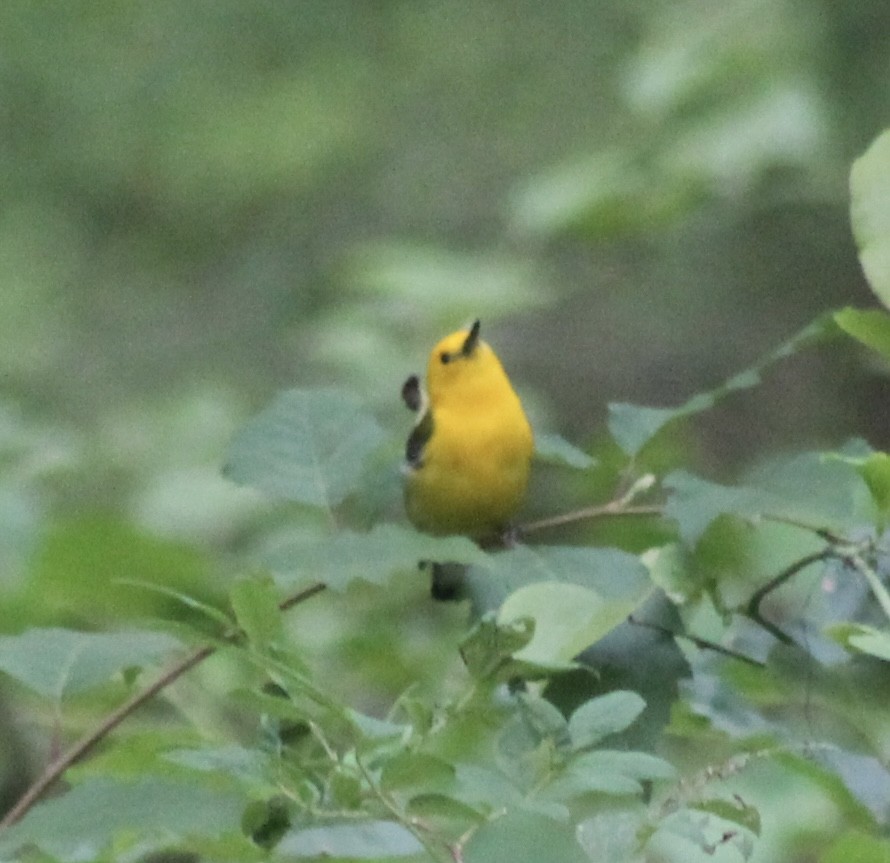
[855,845]
[308,446]
[870,214]
[567,619]
[873,642]
[600,717]
[374,556]
[575,596]
[871,327]
[60,662]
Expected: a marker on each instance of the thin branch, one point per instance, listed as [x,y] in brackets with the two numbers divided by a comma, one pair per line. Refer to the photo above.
[57,767]
[606,510]
[752,609]
[701,643]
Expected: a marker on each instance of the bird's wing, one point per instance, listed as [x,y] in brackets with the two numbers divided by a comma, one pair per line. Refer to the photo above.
[417,440]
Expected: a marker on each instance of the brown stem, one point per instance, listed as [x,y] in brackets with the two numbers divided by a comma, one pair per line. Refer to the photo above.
[57,767]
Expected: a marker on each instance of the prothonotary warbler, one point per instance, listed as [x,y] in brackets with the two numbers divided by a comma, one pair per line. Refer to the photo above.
[469,452]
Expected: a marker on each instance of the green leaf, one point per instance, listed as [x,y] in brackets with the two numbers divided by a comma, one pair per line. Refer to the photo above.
[363,841]
[374,556]
[636,765]
[255,603]
[575,596]
[809,487]
[416,771]
[489,647]
[567,619]
[536,721]
[607,771]
[871,327]
[57,663]
[308,446]
[485,788]
[870,214]
[86,820]
[874,643]
[736,811]
[875,470]
[600,717]
[524,837]
[632,426]
[616,574]
[854,846]
[556,450]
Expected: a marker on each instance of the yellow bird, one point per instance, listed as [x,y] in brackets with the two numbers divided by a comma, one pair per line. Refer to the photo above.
[469,452]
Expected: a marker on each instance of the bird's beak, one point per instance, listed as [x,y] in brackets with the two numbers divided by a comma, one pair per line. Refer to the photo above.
[472,339]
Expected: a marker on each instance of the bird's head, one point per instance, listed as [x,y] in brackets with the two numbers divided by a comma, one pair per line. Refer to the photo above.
[460,364]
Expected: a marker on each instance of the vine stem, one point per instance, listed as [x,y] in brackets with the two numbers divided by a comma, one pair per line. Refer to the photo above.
[57,767]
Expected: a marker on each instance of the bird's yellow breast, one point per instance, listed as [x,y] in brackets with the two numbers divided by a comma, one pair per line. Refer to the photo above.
[472,473]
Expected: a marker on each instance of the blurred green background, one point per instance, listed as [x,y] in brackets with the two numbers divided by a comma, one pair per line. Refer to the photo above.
[204,203]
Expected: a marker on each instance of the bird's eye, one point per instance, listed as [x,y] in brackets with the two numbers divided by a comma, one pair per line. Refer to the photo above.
[445,357]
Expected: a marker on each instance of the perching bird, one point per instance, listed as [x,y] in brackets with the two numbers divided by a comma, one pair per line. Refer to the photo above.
[469,452]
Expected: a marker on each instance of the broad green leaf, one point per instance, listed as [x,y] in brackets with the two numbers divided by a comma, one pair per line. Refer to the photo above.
[875,643]
[251,766]
[875,471]
[636,765]
[443,808]
[870,214]
[575,596]
[86,820]
[308,446]
[600,717]
[255,603]
[488,648]
[608,771]
[695,503]
[536,721]
[737,811]
[633,426]
[485,788]
[617,575]
[524,837]
[57,663]
[818,490]
[356,841]
[556,450]
[374,556]
[871,327]
[854,846]
[416,771]
[567,619]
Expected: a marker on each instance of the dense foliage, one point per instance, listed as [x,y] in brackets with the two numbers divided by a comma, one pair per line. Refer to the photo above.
[682,659]
[767,599]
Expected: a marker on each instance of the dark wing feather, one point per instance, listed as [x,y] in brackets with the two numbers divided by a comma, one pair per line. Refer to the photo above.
[420,434]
